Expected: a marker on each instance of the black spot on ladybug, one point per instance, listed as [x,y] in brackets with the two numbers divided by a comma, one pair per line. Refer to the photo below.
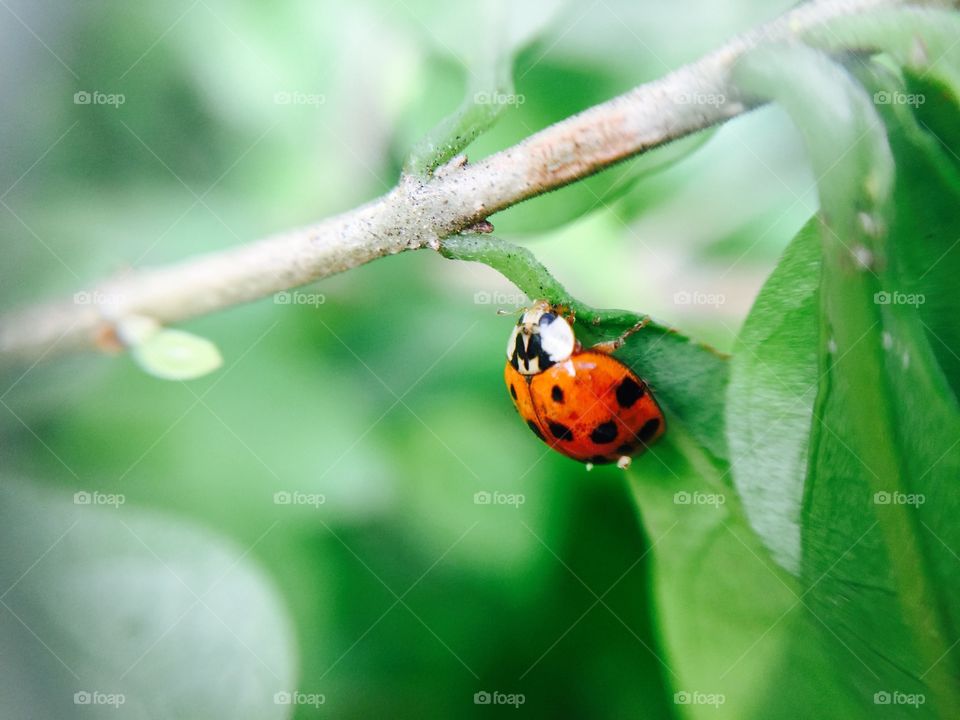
[560,431]
[605,432]
[628,392]
[513,391]
[536,431]
[557,394]
[649,429]
[625,449]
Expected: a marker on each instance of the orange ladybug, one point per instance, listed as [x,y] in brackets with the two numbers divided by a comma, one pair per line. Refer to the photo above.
[585,404]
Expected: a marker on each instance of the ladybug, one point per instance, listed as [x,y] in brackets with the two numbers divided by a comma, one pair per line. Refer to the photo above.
[583,403]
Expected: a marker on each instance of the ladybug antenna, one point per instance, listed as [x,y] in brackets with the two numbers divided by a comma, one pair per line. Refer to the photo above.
[515,311]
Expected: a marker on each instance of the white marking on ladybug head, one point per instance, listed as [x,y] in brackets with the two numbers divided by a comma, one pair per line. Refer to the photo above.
[540,339]
[512,341]
[556,337]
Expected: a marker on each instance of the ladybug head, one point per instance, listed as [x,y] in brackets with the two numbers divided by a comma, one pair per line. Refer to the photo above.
[540,339]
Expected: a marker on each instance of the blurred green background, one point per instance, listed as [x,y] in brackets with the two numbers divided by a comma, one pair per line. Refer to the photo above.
[384,394]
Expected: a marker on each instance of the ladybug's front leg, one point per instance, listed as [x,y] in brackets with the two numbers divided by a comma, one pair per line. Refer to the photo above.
[611,346]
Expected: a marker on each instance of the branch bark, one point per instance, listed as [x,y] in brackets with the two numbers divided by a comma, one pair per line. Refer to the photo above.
[418,212]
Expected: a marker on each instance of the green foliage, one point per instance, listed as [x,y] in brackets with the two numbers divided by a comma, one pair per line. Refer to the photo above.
[327,492]
[138,613]
[841,413]
[175,354]
[490,90]
[872,440]
[689,378]
[771,397]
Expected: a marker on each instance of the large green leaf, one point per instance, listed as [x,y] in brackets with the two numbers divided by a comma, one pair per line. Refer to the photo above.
[722,603]
[112,612]
[781,454]
[769,404]
[876,530]
[922,120]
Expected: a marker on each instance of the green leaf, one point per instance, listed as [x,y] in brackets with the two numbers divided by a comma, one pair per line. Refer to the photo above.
[133,614]
[877,520]
[795,410]
[687,378]
[497,31]
[923,41]
[176,355]
[770,400]
[729,616]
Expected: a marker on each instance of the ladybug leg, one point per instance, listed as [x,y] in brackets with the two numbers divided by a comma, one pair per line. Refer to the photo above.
[613,345]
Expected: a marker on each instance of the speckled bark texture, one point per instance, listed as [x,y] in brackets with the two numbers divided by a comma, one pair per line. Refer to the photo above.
[417,213]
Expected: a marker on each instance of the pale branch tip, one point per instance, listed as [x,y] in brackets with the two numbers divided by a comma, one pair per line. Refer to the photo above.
[420,210]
